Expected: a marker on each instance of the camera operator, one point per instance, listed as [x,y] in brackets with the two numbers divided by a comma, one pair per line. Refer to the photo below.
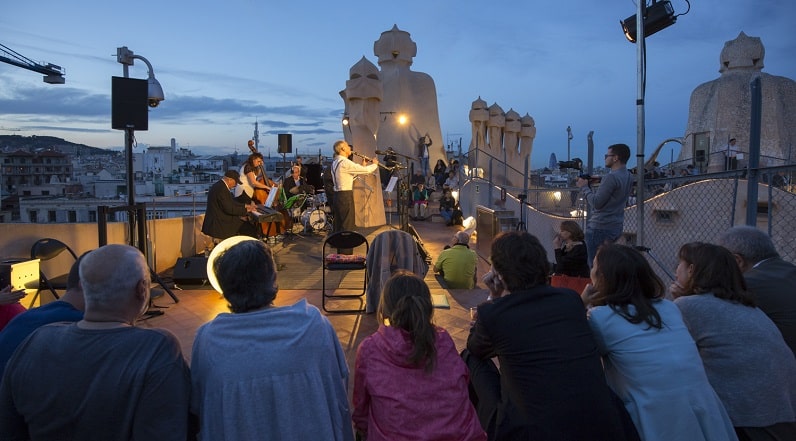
[607,203]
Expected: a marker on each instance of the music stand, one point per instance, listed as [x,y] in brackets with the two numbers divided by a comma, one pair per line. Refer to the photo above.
[389,189]
[403,191]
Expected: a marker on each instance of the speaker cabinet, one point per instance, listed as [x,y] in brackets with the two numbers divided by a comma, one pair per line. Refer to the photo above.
[285,143]
[129,103]
[191,270]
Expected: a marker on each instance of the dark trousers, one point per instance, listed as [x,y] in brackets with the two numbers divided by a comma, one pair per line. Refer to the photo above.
[344,216]
[485,393]
[501,419]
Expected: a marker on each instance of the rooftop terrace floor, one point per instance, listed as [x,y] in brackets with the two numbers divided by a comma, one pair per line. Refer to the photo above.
[298,260]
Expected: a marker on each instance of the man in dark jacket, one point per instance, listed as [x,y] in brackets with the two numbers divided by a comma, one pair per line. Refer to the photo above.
[551,384]
[224,216]
[768,276]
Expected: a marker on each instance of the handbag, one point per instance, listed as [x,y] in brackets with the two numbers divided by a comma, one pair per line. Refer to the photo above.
[576,284]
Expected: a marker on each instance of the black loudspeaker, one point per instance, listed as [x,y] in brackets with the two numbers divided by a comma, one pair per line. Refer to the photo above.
[700,156]
[285,143]
[129,105]
[191,270]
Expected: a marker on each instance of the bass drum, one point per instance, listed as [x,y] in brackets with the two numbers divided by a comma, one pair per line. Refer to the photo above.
[313,220]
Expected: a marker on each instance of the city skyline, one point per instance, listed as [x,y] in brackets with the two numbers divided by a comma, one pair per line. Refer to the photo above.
[225,66]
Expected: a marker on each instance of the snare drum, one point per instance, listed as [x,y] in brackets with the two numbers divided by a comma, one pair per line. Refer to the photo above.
[313,219]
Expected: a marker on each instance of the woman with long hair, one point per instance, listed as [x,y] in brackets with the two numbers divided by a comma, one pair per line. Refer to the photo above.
[745,356]
[440,173]
[650,359]
[570,250]
[409,381]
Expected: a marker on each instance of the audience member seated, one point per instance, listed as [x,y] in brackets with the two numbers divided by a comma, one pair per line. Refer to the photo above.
[267,372]
[409,382]
[633,325]
[457,263]
[551,383]
[420,201]
[746,359]
[454,167]
[768,277]
[440,173]
[452,181]
[570,251]
[69,308]
[9,304]
[449,209]
[101,378]
[417,178]
[431,184]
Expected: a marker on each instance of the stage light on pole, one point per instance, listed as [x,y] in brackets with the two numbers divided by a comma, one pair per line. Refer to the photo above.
[659,15]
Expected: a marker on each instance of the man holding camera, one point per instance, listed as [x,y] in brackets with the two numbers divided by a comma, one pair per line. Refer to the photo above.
[607,203]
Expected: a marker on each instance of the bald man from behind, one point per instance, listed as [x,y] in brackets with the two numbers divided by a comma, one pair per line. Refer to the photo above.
[457,264]
[102,377]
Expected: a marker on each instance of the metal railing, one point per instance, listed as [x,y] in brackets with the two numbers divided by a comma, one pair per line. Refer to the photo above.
[677,210]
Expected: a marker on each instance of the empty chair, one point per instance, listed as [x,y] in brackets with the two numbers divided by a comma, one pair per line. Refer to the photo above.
[44,250]
[343,262]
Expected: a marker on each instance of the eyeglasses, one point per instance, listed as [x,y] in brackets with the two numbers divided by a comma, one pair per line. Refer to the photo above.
[608,156]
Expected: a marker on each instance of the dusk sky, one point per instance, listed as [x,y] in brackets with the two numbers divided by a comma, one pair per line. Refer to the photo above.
[225,64]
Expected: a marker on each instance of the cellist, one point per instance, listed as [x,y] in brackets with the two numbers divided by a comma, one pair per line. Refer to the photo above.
[256,187]
[256,184]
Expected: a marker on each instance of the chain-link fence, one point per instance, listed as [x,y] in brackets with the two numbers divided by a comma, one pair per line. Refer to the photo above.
[677,210]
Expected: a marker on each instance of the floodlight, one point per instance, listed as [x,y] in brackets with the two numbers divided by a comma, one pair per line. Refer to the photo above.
[659,15]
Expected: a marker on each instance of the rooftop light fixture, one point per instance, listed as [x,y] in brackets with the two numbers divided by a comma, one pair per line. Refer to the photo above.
[659,15]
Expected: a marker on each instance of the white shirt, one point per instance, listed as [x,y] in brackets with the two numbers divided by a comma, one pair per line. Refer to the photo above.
[344,170]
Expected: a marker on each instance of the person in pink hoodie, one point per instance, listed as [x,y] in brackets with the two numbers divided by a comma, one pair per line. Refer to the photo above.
[409,380]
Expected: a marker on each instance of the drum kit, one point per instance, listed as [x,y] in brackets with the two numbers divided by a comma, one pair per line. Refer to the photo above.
[310,211]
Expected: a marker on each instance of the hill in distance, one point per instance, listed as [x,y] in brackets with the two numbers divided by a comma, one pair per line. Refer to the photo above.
[12,143]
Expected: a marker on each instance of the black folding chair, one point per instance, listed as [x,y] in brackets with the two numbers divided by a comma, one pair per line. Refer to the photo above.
[339,262]
[44,250]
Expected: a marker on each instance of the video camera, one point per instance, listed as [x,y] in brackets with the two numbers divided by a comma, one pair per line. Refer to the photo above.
[590,178]
[575,163]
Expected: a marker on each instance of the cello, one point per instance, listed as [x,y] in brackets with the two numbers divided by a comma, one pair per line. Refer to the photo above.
[260,195]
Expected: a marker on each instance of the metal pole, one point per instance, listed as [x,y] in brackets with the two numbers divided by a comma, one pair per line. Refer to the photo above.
[754,152]
[128,150]
[641,72]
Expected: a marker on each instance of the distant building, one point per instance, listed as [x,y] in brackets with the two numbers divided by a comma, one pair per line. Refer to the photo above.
[25,169]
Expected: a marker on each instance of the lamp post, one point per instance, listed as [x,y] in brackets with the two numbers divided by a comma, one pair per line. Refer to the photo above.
[569,139]
[155,95]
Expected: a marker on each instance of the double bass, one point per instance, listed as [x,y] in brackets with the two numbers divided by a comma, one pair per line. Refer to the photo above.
[260,195]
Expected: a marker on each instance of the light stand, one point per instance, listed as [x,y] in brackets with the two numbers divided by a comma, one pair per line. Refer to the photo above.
[660,15]
[521,225]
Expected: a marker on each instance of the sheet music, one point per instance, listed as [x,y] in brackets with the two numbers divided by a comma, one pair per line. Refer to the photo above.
[391,184]
[271,196]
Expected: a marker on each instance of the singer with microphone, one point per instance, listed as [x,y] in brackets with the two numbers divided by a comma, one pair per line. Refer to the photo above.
[343,172]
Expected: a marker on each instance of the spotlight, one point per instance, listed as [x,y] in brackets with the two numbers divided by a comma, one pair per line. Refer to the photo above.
[659,15]
[469,224]
[345,120]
